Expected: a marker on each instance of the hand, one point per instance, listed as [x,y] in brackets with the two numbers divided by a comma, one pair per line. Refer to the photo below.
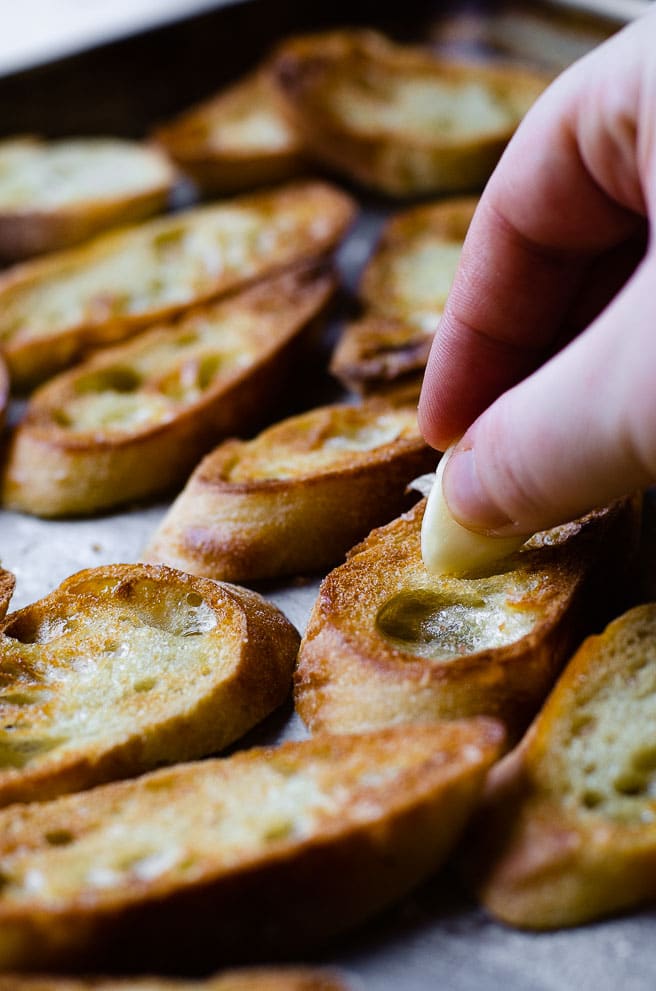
[551,320]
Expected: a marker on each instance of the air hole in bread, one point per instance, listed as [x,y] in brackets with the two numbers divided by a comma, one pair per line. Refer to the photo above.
[186,339]
[18,753]
[61,418]
[208,368]
[173,609]
[583,723]
[278,831]
[443,624]
[31,628]
[145,685]
[109,380]
[591,799]
[160,783]
[59,837]
[169,242]
[645,759]
[22,698]
[630,783]
[424,618]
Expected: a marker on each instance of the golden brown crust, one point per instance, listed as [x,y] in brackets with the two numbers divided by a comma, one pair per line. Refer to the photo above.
[7,585]
[389,643]
[376,352]
[404,289]
[259,979]
[154,271]
[32,230]
[236,140]
[567,833]
[4,391]
[349,95]
[297,497]
[174,667]
[285,846]
[136,418]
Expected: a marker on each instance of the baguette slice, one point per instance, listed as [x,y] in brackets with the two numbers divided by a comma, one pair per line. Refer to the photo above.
[568,832]
[53,310]
[395,117]
[236,140]
[388,643]
[260,979]
[126,667]
[404,288]
[297,497]
[267,852]
[136,418]
[54,194]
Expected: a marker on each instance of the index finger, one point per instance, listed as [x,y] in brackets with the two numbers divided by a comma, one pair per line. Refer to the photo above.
[552,206]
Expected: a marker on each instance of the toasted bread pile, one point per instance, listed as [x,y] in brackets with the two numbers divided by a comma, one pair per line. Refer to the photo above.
[152,344]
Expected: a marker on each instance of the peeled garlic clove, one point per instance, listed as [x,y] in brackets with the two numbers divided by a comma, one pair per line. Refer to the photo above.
[447,547]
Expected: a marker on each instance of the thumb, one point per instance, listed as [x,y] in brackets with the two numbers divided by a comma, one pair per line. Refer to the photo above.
[580,432]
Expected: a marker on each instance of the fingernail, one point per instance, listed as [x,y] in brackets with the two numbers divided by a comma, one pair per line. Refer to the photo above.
[467,499]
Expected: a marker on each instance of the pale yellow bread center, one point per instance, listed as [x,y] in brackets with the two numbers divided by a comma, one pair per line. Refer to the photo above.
[419,106]
[36,176]
[89,672]
[319,441]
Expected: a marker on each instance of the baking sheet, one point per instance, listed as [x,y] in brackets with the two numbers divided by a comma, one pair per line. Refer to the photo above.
[38,31]
[437,938]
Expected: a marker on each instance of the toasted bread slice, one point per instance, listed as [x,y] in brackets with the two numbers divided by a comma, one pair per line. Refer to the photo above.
[129,666]
[297,497]
[53,310]
[237,140]
[397,118]
[376,353]
[260,979]
[404,288]
[267,852]
[57,193]
[568,832]
[136,418]
[388,642]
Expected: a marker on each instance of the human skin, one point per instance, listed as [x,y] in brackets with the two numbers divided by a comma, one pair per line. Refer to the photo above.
[545,359]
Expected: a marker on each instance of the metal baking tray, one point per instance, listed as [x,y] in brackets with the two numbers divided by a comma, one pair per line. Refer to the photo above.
[437,937]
